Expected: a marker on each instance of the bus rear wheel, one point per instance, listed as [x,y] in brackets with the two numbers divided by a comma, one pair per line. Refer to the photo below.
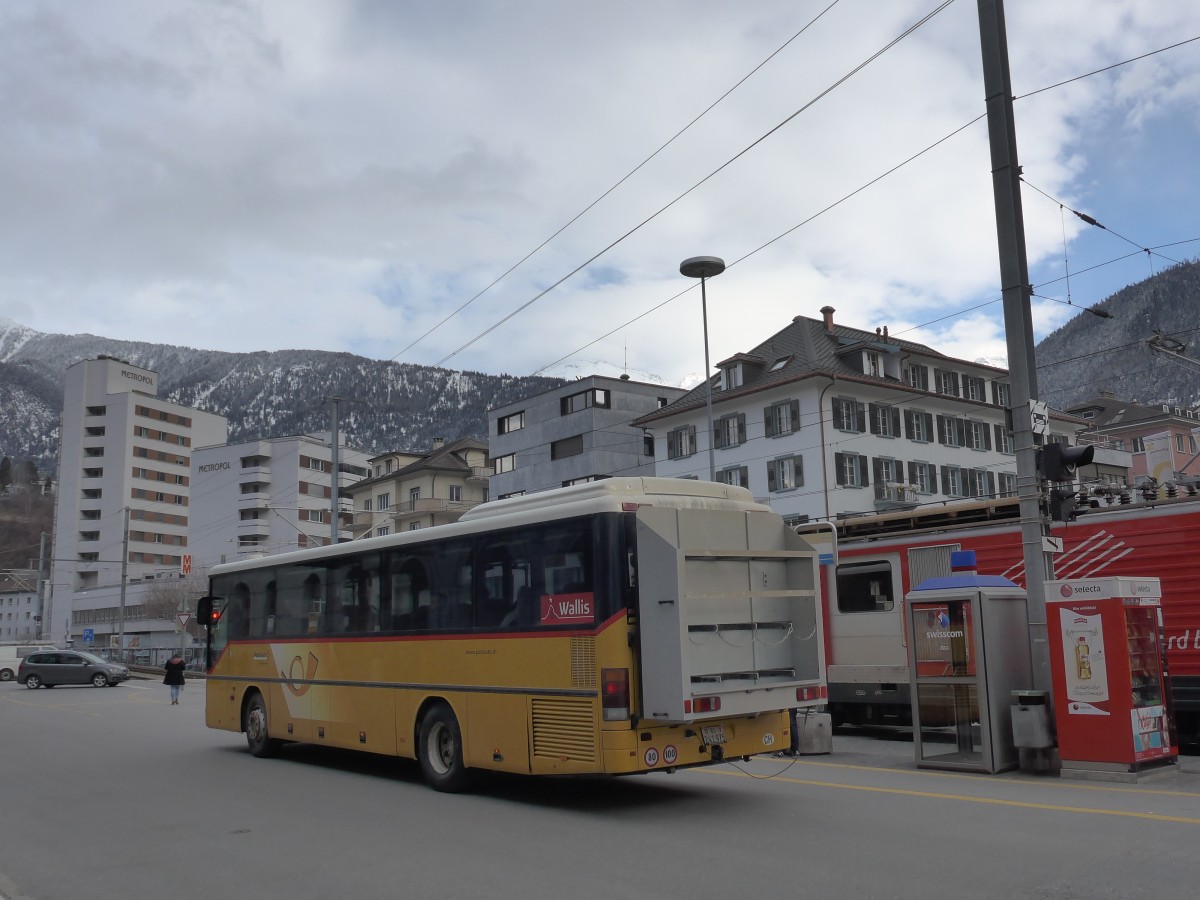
[440,751]
[255,726]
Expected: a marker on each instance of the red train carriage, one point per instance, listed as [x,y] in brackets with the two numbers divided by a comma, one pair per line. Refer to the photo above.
[881,557]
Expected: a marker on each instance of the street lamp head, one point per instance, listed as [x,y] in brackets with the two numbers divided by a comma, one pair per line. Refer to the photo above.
[702,266]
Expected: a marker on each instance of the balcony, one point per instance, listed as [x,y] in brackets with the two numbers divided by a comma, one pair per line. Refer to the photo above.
[442,511]
[254,500]
[896,495]
[248,527]
[479,473]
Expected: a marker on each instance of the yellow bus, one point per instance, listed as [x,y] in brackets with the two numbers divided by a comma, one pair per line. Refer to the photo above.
[624,625]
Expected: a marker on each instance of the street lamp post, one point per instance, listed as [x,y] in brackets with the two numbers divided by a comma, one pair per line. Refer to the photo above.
[705,267]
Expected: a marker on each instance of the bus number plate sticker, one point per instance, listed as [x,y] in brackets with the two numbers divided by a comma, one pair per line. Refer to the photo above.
[712,734]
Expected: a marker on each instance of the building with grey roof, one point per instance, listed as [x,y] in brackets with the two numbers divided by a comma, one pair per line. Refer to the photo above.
[821,420]
[408,491]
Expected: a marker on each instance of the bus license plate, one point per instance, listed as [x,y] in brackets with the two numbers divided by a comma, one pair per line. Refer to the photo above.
[712,734]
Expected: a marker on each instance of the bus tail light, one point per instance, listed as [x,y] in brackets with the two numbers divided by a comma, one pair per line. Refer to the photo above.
[812,693]
[614,694]
[706,705]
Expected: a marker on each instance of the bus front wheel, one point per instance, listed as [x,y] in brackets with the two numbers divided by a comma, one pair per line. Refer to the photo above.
[255,726]
[441,754]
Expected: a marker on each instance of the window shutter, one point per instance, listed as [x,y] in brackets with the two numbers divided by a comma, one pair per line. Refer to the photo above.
[744,476]
[991,484]
[794,409]
[908,424]
[877,465]
[941,428]
[895,414]
[769,421]
[771,477]
[839,415]
[912,474]
[874,410]
[928,424]
[839,467]
[987,438]
[691,439]
[718,435]
[861,412]
[946,480]
[798,465]
[864,480]
[741,428]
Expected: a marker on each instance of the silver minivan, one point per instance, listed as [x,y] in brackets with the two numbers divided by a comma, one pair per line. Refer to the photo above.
[52,667]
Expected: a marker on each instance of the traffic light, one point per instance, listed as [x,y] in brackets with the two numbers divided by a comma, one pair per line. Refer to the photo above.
[207,611]
[1058,462]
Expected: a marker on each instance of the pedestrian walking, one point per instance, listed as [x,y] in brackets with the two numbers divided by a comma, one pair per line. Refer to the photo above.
[174,677]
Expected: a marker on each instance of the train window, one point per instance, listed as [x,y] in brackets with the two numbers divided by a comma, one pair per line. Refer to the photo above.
[864,587]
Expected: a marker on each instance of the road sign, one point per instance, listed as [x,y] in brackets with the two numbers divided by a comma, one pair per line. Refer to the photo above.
[89,635]
[183,618]
[1051,544]
[1039,415]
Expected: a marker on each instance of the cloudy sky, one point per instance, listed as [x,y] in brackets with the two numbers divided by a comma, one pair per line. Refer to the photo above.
[361,176]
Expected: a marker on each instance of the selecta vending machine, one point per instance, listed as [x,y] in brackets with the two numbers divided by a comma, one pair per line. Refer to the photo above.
[1106,666]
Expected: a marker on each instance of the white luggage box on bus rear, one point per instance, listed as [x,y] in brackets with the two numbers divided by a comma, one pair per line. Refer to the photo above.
[747,630]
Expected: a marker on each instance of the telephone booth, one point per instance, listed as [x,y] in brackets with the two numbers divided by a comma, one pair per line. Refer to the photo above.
[968,650]
[1106,665]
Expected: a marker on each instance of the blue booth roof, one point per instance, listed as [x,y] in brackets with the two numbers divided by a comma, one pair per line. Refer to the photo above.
[958,582]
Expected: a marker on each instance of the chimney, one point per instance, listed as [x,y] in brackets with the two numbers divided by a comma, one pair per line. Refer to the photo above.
[885,336]
[827,312]
[439,443]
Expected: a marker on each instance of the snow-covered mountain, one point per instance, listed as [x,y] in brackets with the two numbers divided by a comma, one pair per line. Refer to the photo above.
[390,406]
[403,407]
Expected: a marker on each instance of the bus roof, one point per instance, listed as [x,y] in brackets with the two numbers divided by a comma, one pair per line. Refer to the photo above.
[606,495]
[616,491]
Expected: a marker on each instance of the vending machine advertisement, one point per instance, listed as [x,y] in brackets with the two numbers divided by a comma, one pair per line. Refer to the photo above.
[1107,674]
[1086,673]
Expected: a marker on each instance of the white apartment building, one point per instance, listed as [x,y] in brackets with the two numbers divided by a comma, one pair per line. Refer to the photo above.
[123,503]
[572,434]
[268,496]
[821,420]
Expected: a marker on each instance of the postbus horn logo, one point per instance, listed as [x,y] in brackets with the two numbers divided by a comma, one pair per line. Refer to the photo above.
[296,671]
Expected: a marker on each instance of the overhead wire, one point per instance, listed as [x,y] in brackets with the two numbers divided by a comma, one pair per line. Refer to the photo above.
[874,181]
[838,83]
[622,180]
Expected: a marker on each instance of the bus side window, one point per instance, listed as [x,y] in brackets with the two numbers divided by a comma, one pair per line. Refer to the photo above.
[238,612]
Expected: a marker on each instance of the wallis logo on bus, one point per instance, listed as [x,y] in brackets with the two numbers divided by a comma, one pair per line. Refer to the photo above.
[565,608]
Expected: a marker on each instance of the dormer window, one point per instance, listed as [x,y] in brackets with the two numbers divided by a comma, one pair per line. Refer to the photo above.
[872,364]
[780,363]
[731,376]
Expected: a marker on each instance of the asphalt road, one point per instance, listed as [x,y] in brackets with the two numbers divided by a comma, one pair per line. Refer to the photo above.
[114,793]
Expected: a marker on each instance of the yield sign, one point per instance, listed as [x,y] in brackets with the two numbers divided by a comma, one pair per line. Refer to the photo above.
[183,618]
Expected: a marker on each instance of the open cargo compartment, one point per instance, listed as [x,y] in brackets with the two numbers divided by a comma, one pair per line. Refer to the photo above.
[741,623]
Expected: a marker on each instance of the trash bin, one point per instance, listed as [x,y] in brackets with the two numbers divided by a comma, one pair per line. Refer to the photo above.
[1031,720]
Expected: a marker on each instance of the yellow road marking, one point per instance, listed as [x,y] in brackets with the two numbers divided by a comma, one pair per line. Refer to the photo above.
[934,795]
[1048,781]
